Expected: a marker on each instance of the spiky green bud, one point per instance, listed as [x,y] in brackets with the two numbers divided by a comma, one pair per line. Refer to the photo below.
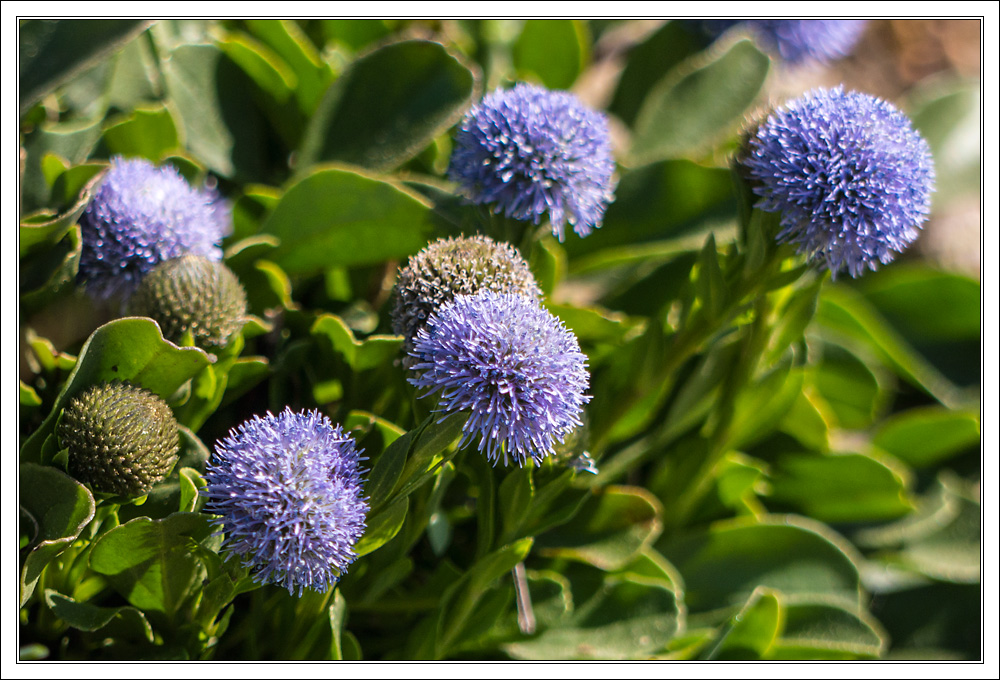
[450,267]
[122,439]
[192,294]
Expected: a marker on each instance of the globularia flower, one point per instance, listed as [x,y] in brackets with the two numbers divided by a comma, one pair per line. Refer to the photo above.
[195,295]
[529,151]
[122,439]
[509,363]
[288,492]
[850,176]
[139,216]
[456,266]
[798,41]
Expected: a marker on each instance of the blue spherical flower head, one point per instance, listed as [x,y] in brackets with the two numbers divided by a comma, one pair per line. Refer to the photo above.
[142,215]
[512,365]
[288,493]
[799,41]
[529,152]
[850,176]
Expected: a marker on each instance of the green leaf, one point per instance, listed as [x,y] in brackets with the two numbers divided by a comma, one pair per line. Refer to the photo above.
[942,540]
[828,631]
[265,67]
[244,375]
[934,622]
[337,613]
[847,487]
[623,619]
[596,325]
[149,133]
[430,451]
[388,106]
[923,437]
[220,123]
[660,210]
[58,508]
[129,349]
[382,527]
[849,316]
[926,304]
[935,312]
[354,33]
[723,563]
[389,467]
[338,217]
[749,634]
[514,495]
[711,284]
[554,51]
[946,112]
[547,262]
[294,47]
[647,63]
[27,395]
[89,617]
[190,482]
[848,387]
[473,586]
[360,355]
[50,52]
[610,529]
[70,140]
[149,561]
[693,105]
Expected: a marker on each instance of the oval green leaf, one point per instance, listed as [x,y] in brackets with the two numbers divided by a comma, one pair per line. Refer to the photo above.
[692,106]
[388,106]
[337,217]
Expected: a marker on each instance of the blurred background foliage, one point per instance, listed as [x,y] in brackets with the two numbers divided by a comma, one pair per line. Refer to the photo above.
[789,466]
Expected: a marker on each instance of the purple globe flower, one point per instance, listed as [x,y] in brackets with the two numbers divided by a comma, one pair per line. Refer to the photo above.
[529,151]
[140,216]
[850,176]
[512,365]
[287,490]
[799,41]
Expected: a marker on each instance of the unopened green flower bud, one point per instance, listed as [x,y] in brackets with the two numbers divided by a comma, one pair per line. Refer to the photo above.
[456,266]
[192,294]
[122,439]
